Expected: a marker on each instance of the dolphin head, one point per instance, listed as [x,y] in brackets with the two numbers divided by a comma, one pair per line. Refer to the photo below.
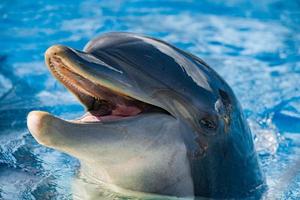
[158,119]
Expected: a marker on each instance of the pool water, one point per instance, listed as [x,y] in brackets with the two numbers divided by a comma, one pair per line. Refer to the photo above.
[255,46]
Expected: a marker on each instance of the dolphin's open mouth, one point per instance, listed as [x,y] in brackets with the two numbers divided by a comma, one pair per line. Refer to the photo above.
[102,103]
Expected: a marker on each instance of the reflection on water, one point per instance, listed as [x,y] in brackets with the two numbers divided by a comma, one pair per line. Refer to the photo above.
[254,46]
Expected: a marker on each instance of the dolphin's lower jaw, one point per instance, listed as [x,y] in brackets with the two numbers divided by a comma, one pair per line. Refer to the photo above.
[36,121]
[130,160]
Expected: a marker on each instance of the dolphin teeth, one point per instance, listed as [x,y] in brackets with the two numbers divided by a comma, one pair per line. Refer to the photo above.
[98,106]
[64,79]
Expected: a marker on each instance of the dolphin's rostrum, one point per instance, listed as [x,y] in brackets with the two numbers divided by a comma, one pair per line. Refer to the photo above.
[159,120]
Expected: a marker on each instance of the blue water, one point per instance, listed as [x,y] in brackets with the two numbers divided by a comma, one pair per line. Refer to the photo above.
[254,45]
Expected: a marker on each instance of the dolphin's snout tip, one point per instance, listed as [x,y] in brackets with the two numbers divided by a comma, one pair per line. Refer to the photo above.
[55,50]
[36,122]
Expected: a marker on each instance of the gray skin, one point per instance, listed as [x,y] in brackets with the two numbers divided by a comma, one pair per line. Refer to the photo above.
[202,146]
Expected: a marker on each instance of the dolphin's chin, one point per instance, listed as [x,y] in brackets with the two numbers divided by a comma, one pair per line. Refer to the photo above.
[53,131]
[101,102]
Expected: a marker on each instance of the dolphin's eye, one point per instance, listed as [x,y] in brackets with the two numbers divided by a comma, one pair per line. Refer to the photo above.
[207,123]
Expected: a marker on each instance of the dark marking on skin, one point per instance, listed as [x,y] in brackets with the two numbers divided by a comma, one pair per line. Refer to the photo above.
[225,98]
[171,162]
[177,181]
[225,109]
[208,124]
[200,152]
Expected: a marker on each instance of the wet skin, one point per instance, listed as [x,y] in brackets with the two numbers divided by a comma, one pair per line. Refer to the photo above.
[139,90]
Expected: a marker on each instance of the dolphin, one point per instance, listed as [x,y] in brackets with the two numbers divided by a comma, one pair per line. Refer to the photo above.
[158,120]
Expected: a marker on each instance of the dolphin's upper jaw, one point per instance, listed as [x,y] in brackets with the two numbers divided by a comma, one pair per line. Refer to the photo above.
[102,103]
